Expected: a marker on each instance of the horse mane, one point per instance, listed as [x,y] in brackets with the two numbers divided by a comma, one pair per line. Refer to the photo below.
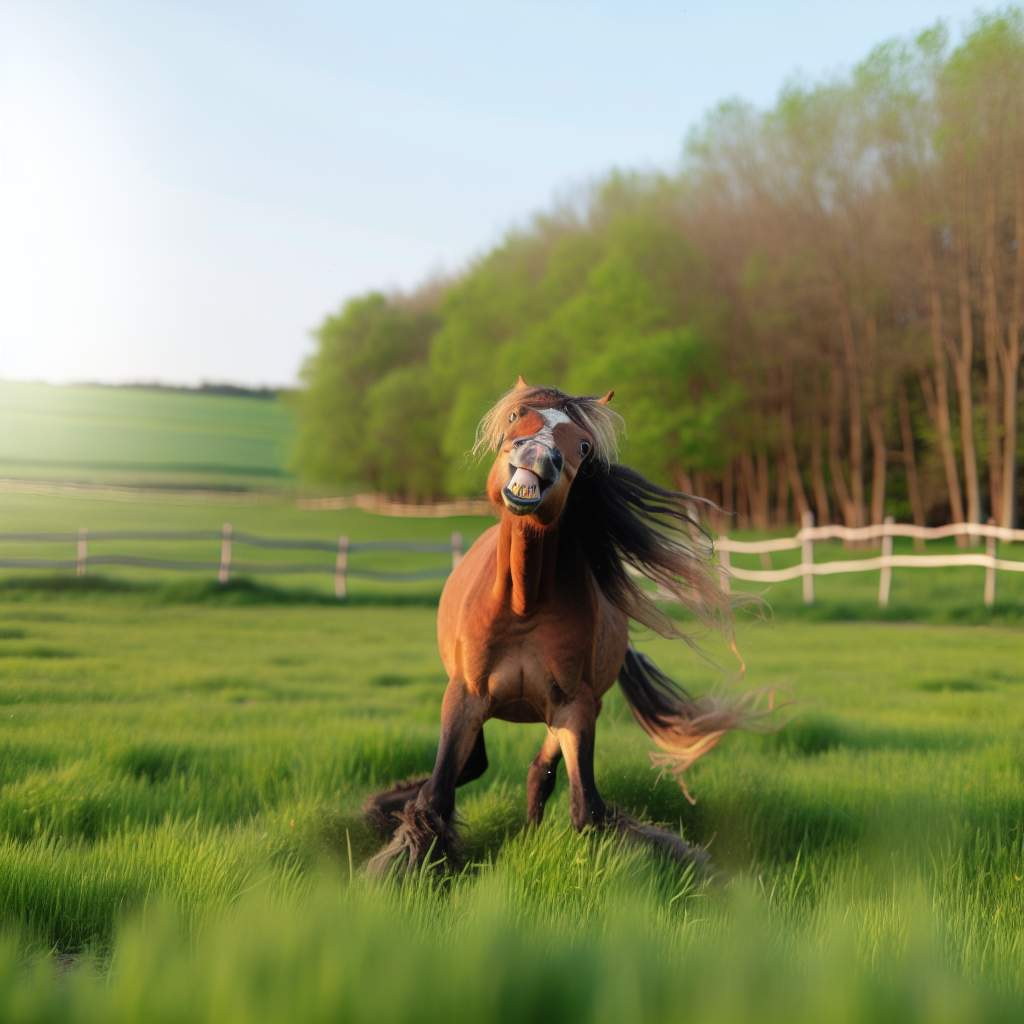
[597,418]
[623,521]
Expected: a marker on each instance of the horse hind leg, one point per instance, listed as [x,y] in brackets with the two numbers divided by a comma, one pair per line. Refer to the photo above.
[575,727]
[661,841]
[382,809]
[541,777]
[576,731]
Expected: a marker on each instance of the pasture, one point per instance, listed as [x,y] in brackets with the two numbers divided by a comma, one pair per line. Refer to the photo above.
[142,436]
[182,767]
[180,809]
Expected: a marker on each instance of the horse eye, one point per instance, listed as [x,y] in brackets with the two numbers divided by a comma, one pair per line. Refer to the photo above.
[584,448]
[512,417]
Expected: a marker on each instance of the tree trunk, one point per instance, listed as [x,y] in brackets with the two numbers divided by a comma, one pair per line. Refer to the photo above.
[781,490]
[743,517]
[818,478]
[939,407]
[683,481]
[728,493]
[992,332]
[879,458]
[1011,370]
[1011,413]
[835,463]
[749,486]
[910,461]
[792,463]
[963,363]
[855,411]
[763,490]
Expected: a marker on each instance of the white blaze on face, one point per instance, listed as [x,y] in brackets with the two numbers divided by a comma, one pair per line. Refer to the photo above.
[524,483]
[551,417]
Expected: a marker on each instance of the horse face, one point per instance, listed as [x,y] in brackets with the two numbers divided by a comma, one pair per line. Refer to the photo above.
[541,453]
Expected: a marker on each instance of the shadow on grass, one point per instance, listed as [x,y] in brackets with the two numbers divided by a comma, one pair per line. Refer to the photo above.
[240,591]
[246,591]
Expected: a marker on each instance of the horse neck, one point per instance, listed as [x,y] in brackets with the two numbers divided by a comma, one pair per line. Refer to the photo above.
[526,564]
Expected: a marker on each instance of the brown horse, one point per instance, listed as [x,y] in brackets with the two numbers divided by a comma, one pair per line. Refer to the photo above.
[533,623]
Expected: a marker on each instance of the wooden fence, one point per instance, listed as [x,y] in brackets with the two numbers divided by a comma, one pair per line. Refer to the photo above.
[226,565]
[383,506]
[342,548]
[806,569]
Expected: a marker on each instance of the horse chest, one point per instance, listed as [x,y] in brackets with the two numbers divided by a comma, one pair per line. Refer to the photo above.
[524,672]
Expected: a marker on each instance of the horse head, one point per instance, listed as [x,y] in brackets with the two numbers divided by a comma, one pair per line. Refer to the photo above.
[544,438]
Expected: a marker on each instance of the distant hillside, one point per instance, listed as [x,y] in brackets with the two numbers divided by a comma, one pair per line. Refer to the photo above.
[217,436]
[205,388]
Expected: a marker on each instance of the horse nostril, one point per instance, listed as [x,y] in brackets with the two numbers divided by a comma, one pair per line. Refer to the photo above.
[557,460]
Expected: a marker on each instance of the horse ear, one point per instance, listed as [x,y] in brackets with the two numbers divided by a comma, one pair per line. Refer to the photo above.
[606,397]
[521,383]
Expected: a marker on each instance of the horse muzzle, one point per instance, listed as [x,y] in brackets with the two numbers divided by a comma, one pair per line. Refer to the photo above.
[535,468]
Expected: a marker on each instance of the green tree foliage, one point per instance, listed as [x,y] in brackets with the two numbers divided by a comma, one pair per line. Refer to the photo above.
[821,309]
[362,377]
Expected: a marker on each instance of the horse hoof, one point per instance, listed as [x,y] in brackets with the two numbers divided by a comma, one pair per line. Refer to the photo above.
[421,840]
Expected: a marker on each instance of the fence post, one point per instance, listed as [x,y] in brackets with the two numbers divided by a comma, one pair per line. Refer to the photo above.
[83,551]
[456,548]
[990,569]
[224,573]
[807,558]
[724,564]
[341,570]
[885,577]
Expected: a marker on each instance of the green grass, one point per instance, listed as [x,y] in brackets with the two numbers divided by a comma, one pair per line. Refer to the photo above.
[142,437]
[182,766]
[180,785]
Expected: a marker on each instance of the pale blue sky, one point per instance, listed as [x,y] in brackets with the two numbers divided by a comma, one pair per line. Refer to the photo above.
[186,188]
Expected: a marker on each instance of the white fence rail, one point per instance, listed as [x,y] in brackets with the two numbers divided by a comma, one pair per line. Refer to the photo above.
[807,569]
[335,554]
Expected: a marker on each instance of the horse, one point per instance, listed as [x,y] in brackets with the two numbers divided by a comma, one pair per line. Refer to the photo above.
[533,626]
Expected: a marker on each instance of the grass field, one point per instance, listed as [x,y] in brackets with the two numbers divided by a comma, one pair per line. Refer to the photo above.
[202,765]
[182,767]
[139,436]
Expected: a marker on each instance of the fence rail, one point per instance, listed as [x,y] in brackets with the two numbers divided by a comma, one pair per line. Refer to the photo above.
[340,550]
[380,505]
[227,565]
[807,569]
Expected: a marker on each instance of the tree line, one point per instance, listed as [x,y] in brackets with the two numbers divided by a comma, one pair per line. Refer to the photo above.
[821,309]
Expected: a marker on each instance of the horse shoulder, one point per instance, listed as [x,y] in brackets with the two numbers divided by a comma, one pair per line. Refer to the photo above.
[475,569]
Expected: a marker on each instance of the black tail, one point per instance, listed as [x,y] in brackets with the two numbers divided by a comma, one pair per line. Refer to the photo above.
[684,727]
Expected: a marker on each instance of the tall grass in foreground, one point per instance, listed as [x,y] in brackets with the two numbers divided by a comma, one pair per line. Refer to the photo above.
[555,927]
[180,833]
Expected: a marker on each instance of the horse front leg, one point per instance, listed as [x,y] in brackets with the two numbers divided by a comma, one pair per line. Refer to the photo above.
[382,809]
[425,830]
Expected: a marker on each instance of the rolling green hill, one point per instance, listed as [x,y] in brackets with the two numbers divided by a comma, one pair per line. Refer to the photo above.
[143,436]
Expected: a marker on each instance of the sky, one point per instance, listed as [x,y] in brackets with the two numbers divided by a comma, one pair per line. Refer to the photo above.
[188,188]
